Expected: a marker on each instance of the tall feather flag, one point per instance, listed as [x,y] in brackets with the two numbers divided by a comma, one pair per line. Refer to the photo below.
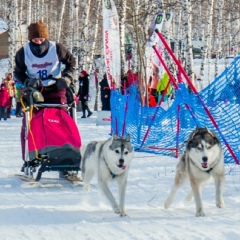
[164,27]
[157,22]
[111,42]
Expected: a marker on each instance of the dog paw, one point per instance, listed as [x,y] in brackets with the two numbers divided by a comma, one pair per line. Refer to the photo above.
[166,205]
[123,214]
[220,204]
[117,210]
[86,187]
[200,214]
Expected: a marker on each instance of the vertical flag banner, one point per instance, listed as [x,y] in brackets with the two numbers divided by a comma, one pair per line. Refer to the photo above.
[157,22]
[111,42]
[159,45]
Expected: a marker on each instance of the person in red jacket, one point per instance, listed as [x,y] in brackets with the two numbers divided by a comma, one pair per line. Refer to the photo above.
[4,102]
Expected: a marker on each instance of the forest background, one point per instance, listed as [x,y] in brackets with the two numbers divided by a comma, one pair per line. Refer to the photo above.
[78,25]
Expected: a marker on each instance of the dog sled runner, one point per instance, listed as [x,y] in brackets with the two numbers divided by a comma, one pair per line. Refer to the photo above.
[52,140]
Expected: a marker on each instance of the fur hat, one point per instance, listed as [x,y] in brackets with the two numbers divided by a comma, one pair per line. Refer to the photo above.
[37,30]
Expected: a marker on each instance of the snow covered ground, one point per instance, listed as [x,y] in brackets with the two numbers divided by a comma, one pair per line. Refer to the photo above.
[64,211]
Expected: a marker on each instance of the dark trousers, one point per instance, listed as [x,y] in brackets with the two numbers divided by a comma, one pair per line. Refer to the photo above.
[3,112]
[18,108]
[154,94]
[85,107]
[9,109]
[106,104]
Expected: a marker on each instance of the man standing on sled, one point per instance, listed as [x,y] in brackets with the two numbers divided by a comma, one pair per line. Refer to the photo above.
[41,59]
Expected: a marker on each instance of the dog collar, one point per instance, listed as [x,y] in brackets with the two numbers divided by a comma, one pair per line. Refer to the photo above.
[112,174]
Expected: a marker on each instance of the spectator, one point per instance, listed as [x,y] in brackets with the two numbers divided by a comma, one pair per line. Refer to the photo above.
[4,102]
[18,93]
[105,93]
[10,84]
[154,82]
[162,85]
[83,93]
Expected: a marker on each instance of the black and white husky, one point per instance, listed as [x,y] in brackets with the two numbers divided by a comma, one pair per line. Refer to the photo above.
[202,158]
[111,159]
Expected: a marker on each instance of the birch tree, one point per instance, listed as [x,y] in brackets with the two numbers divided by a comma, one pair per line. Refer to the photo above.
[81,33]
[87,32]
[219,17]
[29,12]
[96,30]
[12,24]
[187,16]
[70,26]
[60,20]
[207,44]
[122,18]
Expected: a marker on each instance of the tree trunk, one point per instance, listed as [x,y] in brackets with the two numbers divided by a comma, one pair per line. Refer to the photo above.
[12,24]
[60,20]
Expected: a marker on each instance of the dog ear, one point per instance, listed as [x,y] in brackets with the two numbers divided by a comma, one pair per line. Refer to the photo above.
[128,137]
[190,144]
[115,137]
[193,134]
[209,132]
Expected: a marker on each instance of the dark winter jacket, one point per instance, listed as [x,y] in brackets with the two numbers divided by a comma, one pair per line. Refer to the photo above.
[83,91]
[63,54]
[105,93]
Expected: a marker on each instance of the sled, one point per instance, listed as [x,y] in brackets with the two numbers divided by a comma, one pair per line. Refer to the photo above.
[52,139]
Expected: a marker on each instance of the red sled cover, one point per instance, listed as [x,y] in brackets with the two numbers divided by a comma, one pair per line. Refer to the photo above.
[52,132]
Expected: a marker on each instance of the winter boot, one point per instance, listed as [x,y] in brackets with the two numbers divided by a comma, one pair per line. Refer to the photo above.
[89,114]
[63,174]
[23,166]
[84,114]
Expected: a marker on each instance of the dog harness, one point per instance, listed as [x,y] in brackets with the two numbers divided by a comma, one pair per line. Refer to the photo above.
[112,174]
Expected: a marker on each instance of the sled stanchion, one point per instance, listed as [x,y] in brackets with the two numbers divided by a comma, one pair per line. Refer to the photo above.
[40,171]
[125,116]
[178,130]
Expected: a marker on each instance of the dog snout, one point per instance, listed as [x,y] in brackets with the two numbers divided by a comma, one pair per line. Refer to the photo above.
[205,159]
[121,161]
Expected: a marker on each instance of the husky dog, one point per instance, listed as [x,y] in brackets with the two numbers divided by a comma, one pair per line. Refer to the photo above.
[111,159]
[202,158]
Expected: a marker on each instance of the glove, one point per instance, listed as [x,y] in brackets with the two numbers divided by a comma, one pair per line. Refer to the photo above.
[76,99]
[63,83]
[33,82]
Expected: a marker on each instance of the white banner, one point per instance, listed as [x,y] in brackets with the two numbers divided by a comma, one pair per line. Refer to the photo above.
[164,26]
[111,40]
[153,39]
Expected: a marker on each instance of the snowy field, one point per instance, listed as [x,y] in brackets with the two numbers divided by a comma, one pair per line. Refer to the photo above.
[65,212]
